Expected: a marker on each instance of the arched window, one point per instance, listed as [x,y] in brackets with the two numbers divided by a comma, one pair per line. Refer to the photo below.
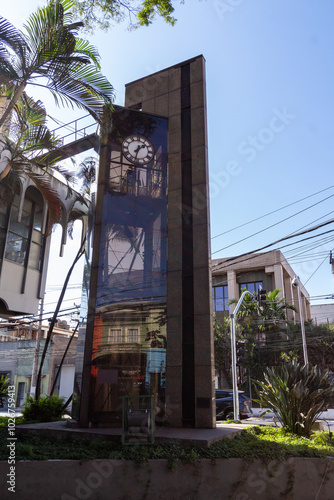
[25,239]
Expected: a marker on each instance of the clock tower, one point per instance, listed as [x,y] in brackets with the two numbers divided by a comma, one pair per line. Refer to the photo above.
[149,326]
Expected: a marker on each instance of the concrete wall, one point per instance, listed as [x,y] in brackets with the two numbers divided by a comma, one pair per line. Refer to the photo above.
[322,313]
[296,478]
[270,267]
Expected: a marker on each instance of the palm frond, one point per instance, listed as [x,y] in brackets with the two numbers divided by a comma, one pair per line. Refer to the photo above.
[83,86]
[85,48]
[12,37]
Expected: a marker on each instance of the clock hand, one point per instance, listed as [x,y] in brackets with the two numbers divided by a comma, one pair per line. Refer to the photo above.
[138,148]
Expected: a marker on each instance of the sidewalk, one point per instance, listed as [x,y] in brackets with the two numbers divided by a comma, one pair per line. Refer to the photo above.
[184,434]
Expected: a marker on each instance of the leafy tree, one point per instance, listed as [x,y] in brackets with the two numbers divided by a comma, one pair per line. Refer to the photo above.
[320,344]
[249,312]
[265,331]
[222,349]
[101,13]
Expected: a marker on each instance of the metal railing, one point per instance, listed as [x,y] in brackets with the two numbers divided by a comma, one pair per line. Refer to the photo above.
[76,130]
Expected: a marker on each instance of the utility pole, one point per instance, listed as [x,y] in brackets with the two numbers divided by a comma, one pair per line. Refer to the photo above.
[36,354]
[296,283]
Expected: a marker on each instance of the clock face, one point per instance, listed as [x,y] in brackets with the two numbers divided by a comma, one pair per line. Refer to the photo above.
[137,149]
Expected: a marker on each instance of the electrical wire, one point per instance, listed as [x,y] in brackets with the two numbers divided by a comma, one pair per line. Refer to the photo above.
[295,235]
[316,270]
[273,225]
[274,211]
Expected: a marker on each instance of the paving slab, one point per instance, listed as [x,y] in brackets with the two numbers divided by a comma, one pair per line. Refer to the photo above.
[204,437]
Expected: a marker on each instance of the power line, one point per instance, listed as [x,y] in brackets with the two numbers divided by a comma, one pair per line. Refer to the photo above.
[273,225]
[316,270]
[270,213]
[283,239]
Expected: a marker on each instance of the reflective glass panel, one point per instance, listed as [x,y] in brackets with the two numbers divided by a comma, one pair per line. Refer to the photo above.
[38,217]
[16,248]
[129,336]
[18,227]
[35,255]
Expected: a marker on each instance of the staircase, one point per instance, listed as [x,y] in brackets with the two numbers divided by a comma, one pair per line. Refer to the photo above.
[76,137]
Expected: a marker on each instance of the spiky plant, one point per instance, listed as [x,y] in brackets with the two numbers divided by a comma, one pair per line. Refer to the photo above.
[297,395]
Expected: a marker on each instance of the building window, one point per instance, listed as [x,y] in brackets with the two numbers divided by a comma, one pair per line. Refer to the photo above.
[25,237]
[252,287]
[18,234]
[115,336]
[220,298]
[20,394]
[133,336]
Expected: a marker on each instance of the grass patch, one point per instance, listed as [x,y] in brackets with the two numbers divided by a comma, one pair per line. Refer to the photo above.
[4,421]
[265,443]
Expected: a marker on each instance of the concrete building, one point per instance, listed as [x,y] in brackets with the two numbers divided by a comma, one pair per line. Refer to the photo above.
[322,313]
[269,270]
[25,244]
[17,353]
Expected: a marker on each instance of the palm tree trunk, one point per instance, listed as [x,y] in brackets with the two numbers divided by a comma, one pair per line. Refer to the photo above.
[13,102]
[54,319]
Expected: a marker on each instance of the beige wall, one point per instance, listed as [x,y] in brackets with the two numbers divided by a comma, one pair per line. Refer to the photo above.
[272,264]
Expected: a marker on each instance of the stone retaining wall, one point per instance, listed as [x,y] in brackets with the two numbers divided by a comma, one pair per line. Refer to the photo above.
[236,479]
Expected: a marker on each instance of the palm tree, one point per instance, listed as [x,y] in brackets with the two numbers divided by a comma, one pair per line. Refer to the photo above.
[249,310]
[27,137]
[274,309]
[50,54]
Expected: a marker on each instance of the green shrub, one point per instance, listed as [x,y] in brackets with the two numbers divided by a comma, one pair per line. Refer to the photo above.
[4,421]
[4,384]
[297,395]
[47,409]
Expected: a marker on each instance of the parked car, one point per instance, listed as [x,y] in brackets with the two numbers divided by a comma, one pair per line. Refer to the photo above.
[224,405]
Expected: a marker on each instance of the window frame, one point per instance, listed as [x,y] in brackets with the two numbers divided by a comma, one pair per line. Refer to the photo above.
[137,341]
[30,234]
[224,298]
[256,284]
[111,338]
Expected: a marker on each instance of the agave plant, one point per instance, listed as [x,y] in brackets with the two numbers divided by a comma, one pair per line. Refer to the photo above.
[297,395]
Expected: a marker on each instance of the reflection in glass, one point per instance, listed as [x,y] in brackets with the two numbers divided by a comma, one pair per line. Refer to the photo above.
[16,248]
[129,340]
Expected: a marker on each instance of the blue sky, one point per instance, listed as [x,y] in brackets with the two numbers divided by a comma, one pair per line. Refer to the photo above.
[270,72]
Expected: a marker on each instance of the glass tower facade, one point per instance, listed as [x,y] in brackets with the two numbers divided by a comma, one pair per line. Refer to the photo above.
[128,354]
